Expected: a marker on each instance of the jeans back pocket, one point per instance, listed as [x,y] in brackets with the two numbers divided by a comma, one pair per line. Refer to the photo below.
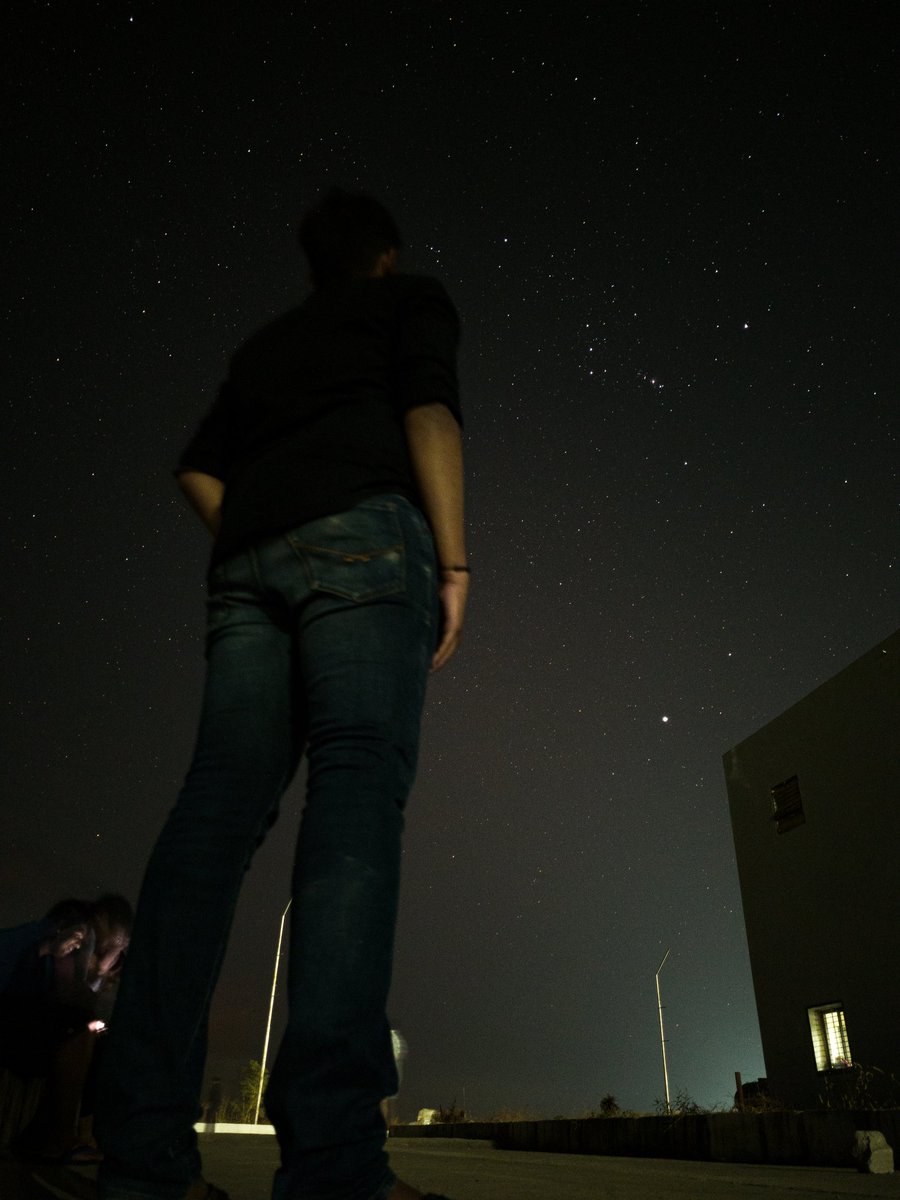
[358,555]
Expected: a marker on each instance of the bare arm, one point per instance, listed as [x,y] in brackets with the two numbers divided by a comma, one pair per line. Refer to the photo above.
[204,494]
[435,448]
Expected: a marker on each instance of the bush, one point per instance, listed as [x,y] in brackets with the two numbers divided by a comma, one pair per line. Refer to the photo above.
[450,1116]
[683,1105]
[243,1110]
[609,1107]
[860,1086]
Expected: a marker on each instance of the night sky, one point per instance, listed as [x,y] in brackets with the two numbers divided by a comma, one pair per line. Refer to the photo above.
[670,230]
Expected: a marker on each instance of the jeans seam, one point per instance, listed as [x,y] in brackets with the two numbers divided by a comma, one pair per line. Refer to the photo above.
[257,572]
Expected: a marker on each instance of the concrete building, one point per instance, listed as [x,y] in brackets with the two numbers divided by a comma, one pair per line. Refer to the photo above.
[815,812]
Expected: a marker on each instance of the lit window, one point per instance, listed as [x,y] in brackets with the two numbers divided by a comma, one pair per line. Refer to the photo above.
[787,805]
[829,1036]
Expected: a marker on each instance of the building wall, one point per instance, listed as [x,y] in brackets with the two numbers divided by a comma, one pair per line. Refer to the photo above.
[822,901]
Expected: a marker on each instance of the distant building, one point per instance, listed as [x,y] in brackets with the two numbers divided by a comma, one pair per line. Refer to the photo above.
[815,812]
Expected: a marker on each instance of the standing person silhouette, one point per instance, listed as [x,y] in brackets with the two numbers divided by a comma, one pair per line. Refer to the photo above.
[329,471]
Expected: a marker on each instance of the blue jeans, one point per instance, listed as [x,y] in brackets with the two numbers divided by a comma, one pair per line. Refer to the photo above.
[318,639]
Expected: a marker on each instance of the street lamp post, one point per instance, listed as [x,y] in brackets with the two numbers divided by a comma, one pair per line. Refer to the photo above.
[662,1036]
[265,1053]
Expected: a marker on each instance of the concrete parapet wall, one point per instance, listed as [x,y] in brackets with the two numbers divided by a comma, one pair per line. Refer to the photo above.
[809,1138]
[233,1127]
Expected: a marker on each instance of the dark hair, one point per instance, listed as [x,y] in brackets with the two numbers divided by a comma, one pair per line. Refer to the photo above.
[343,235]
[69,912]
[116,910]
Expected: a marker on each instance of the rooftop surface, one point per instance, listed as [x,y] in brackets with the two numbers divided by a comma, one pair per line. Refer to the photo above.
[473,1170]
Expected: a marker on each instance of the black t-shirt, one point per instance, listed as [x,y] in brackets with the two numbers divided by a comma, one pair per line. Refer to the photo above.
[309,421]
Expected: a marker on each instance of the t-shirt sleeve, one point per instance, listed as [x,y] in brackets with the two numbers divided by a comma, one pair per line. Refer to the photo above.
[427,345]
[210,450]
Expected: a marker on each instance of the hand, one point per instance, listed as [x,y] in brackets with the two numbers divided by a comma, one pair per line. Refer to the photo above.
[453,592]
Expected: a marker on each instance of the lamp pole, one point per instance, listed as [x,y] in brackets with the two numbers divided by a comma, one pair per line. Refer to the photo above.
[662,1036]
[265,1053]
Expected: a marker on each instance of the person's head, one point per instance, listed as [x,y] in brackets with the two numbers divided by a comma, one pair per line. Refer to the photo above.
[114,911]
[348,235]
[111,919]
[71,918]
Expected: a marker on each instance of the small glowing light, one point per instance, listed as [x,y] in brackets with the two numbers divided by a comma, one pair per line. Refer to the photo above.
[665,720]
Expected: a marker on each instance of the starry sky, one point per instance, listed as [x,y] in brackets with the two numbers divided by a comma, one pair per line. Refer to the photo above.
[671,233]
